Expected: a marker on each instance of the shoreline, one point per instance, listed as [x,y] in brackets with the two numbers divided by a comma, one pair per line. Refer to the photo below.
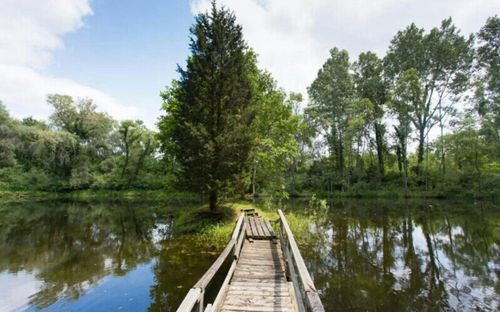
[165,195]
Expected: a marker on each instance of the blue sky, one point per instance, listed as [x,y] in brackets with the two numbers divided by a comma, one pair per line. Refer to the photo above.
[130,49]
[122,53]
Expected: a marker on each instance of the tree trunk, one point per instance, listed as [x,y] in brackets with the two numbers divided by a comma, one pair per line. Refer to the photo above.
[340,160]
[294,170]
[404,151]
[140,163]
[379,140]
[405,167]
[427,163]
[125,165]
[127,152]
[421,149]
[212,200]
[443,156]
[254,174]
[476,166]
[400,158]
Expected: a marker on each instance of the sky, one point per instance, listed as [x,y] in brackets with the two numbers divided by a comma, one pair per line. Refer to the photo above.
[122,53]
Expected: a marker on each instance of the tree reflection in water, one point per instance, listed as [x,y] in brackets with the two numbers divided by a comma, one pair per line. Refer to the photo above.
[363,254]
[71,246]
[401,256]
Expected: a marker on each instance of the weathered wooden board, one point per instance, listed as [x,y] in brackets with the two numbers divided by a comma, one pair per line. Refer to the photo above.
[259,228]
[257,279]
[259,282]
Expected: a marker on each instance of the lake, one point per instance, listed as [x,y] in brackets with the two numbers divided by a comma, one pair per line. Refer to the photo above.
[386,255]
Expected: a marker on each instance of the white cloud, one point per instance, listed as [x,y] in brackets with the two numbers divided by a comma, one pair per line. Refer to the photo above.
[292,37]
[30,32]
[15,80]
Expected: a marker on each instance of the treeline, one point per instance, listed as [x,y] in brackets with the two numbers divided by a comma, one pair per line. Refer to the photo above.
[366,115]
[425,117]
[78,148]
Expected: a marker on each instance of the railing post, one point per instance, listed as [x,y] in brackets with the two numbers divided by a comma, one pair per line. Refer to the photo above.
[201,304]
[190,300]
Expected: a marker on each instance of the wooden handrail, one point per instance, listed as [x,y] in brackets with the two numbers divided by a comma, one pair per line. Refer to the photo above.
[196,294]
[313,301]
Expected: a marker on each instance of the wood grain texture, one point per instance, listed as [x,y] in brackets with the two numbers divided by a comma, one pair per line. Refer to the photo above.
[259,281]
[259,228]
[261,278]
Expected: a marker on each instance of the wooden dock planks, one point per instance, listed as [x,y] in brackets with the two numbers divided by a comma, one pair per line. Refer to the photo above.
[258,278]
[259,228]
[259,282]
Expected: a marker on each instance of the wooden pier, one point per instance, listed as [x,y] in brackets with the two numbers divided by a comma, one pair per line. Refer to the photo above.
[267,272]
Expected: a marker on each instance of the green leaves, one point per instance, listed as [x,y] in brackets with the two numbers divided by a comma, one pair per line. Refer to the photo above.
[370,81]
[487,95]
[440,61]
[331,94]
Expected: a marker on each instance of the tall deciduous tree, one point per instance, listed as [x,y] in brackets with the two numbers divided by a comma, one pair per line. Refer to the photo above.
[274,128]
[407,92]
[92,130]
[7,144]
[442,59]
[371,84]
[488,82]
[331,93]
[137,144]
[209,113]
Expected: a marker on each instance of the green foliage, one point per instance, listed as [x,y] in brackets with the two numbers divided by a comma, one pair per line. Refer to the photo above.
[80,149]
[227,127]
[488,55]
[273,128]
[442,60]
[331,96]
[209,110]
[372,85]
[421,83]
[487,95]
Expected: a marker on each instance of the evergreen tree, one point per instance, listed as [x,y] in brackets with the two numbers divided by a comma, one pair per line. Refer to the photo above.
[209,112]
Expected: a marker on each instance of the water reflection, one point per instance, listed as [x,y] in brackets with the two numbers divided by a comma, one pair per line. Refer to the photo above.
[363,255]
[414,256]
[68,248]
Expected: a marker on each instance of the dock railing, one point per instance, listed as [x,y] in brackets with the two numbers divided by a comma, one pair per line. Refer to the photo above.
[305,291]
[194,300]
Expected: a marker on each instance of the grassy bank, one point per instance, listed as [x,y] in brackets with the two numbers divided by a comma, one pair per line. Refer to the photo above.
[22,195]
[155,195]
[173,196]
[213,230]
[400,193]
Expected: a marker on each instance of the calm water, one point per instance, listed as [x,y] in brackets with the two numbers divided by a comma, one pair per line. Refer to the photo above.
[363,255]
[405,256]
